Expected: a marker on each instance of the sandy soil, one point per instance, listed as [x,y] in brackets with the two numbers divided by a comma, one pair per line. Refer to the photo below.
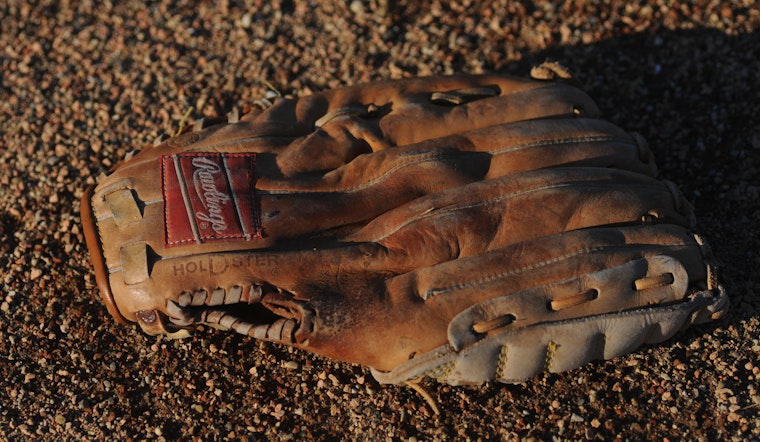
[82,83]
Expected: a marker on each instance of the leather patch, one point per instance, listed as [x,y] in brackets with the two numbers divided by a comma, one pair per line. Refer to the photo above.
[208,197]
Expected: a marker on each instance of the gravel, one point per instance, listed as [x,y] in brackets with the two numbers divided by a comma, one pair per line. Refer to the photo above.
[82,83]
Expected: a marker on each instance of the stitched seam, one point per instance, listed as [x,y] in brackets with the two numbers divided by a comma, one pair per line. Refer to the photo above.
[464,285]
[427,156]
[433,211]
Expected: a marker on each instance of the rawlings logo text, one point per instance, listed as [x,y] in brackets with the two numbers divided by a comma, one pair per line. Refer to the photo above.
[209,196]
[212,199]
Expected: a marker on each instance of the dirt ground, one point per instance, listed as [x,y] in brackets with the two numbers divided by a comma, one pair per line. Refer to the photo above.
[82,83]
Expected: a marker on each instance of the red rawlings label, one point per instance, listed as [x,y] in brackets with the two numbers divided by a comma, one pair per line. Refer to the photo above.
[209,197]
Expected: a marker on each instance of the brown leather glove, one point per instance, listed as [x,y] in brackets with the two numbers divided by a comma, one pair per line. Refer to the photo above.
[469,228]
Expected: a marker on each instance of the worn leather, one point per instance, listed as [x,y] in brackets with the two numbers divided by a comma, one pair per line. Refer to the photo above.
[420,227]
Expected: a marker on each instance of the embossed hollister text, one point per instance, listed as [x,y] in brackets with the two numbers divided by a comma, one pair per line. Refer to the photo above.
[213,201]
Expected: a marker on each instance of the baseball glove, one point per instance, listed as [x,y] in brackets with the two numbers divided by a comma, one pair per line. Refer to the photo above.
[467,228]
